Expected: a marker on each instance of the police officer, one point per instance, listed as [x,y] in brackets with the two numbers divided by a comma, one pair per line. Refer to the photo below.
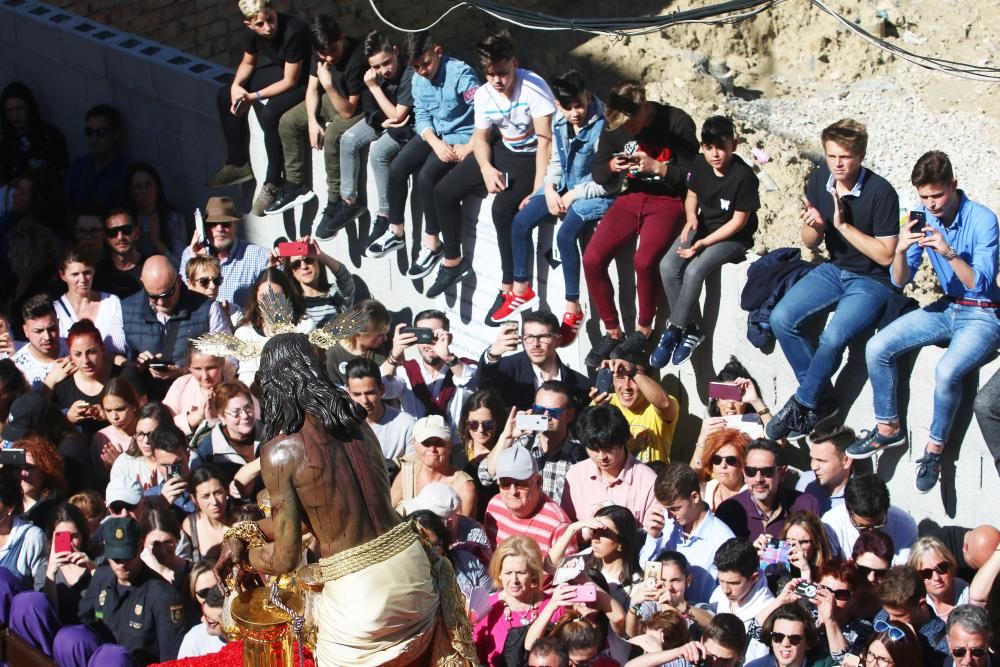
[126,604]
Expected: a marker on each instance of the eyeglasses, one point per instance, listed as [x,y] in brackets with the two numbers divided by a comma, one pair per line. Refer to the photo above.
[307,261]
[940,568]
[960,651]
[538,338]
[236,413]
[143,435]
[766,471]
[487,425]
[96,131]
[878,525]
[841,594]
[113,232]
[780,637]
[205,282]
[895,634]
[119,506]
[878,660]
[552,413]
[730,460]
[225,224]
[865,571]
[165,295]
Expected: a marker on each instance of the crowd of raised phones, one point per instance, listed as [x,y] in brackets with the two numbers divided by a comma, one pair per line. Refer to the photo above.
[577,538]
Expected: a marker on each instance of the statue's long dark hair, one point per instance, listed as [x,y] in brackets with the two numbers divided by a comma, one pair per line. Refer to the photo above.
[293,381]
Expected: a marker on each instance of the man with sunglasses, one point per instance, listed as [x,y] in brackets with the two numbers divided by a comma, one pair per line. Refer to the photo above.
[970,634]
[904,600]
[118,271]
[651,413]
[867,507]
[554,449]
[240,262]
[516,376]
[521,507]
[162,318]
[98,178]
[761,510]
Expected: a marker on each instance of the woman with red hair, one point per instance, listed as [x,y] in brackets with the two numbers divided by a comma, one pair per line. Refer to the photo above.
[721,466]
[42,482]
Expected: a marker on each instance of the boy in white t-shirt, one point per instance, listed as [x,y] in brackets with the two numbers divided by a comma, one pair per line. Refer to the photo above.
[518,105]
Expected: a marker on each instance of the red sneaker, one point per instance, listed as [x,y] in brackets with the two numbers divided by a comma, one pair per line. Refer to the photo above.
[571,323]
[513,304]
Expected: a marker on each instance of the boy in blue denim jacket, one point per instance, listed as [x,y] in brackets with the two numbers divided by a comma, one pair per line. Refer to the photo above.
[569,193]
[443,91]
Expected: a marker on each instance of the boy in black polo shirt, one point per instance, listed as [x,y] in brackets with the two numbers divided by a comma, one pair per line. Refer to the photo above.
[855,212]
[721,208]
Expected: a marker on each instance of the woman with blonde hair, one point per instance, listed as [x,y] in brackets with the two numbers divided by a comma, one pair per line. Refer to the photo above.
[810,548]
[516,571]
[721,465]
[937,565]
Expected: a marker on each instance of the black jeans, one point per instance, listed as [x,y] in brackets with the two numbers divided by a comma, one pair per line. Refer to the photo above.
[237,129]
[466,180]
[416,154]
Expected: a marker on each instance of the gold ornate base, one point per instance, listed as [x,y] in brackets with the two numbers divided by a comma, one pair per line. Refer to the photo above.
[260,653]
[264,629]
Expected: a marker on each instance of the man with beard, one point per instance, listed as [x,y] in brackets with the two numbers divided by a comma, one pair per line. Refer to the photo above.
[761,510]
[433,383]
[118,273]
[40,360]
[385,597]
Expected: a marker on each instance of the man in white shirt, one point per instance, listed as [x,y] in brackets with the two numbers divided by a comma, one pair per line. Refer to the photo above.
[436,381]
[206,637]
[394,429]
[830,465]
[866,507]
[682,522]
[742,590]
[42,360]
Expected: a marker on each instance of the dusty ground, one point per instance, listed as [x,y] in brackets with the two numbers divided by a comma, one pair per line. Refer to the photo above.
[796,69]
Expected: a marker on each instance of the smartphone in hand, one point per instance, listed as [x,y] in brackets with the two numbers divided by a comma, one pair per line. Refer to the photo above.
[602,383]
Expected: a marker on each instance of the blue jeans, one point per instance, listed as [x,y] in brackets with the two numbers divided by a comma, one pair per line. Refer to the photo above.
[580,213]
[972,334]
[859,300]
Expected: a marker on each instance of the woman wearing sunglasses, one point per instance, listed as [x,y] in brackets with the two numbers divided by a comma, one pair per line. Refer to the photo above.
[82,302]
[479,429]
[843,628]
[323,300]
[872,555]
[790,633]
[893,645]
[936,565]
[721,461]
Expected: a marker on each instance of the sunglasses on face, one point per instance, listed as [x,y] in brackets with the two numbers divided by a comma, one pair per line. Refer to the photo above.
[298,263]
[895,634]
[841,594]
[940,568]
[766,471]
[780,637]
[552,413]
[487,425]
[163,296]
[120,506]
[205,282]
[731,461]
[960,651]
[865,572]
[113,232]
[225,224]
[96,131]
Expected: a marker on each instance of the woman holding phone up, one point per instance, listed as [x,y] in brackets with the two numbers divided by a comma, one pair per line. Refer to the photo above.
[323,300]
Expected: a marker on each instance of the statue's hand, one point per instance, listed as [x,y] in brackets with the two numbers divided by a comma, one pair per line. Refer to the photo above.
[232,553]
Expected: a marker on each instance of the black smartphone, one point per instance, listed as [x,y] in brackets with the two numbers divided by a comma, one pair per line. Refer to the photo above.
[918,215]
[12,457]
[424,334]
[158,365]
[603,381]
[237,107]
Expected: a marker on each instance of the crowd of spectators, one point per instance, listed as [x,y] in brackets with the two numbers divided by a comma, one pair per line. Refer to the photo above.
[576,536]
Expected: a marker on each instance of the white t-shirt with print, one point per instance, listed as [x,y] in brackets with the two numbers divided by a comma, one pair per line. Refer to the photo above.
[33,369]
[514,117]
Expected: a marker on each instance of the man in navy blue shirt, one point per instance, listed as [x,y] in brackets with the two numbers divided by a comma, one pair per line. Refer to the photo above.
[960,239]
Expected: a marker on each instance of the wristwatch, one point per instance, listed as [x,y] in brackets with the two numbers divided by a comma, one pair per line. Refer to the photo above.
[950,254]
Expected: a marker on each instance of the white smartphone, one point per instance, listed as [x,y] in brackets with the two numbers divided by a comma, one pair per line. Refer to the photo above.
[532,422]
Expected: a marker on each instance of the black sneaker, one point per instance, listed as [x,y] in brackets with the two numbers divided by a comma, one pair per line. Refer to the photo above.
[328,224]
[425,262]
[497,302]
[786,420]
[601,351]
[230,174]
[811,419]
[384,241]
[289,196]
[632,342]
[448,276]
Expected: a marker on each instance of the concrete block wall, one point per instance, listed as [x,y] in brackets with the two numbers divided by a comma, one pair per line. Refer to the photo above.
[167,97]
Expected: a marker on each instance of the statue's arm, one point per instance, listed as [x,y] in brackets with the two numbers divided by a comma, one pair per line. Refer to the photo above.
[279,463]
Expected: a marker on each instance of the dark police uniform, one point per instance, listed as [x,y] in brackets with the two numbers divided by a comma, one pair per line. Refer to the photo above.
[146,618]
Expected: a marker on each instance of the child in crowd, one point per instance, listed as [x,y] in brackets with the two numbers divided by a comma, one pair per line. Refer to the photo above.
[721,208]
[569,193]
[519,105]
[443,90]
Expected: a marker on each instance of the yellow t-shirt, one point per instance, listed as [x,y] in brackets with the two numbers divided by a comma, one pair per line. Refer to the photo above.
[651,437]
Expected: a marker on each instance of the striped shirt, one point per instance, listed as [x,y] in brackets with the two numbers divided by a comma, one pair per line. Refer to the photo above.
[515,116]
[240,269]
[545,526]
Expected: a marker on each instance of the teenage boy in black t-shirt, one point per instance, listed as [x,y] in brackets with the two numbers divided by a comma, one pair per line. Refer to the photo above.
[271,77]
[332,106]
[721,208]
[855,212]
